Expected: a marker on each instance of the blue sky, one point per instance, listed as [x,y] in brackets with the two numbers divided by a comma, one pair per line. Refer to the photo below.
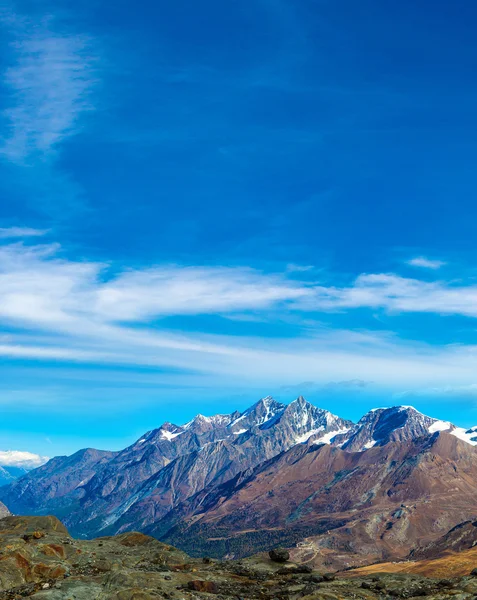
[205,203]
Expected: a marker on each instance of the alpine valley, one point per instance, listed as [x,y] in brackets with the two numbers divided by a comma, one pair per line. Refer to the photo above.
[339,494]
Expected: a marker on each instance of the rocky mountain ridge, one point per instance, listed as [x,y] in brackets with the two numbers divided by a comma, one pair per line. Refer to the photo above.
[177,481]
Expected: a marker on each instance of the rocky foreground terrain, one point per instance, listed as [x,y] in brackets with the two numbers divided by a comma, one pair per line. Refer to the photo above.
[39,559]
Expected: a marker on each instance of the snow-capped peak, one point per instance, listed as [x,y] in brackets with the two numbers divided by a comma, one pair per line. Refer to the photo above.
[259,413]
[382,425]
[399,423]
[310,422]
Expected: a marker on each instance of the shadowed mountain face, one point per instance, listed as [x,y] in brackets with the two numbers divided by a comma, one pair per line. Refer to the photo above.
[383,425]
[274,474]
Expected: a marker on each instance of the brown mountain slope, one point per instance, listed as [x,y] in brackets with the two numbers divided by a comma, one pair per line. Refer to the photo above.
[453,564]
[350,508]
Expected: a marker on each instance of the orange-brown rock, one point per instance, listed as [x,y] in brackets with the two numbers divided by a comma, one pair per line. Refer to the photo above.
[134,538]
[48,571]
[23,565]
[54,550]
[198,585]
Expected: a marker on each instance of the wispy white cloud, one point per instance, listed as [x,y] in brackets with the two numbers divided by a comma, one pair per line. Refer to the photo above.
[21,232]
[192,290]
[61,309]
[39,285]
[400,294]
[16,458]
[50,80]
[426,263]
[48,84]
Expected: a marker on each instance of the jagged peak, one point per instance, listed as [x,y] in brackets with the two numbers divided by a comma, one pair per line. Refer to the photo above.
[301,401]
[169,426]
[267,399]
[267,403]
[261,412]
[302,405]
[382,425]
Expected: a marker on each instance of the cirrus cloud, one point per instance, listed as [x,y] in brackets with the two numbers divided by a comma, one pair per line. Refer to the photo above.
[50,80]
[55,308]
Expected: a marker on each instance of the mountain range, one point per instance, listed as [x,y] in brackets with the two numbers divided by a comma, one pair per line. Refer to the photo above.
[230,485]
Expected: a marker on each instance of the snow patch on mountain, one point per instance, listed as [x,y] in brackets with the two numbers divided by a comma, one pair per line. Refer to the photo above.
[329,437]
[167,435]
[307,435]
[467,435]
[369,445]
[440,426]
